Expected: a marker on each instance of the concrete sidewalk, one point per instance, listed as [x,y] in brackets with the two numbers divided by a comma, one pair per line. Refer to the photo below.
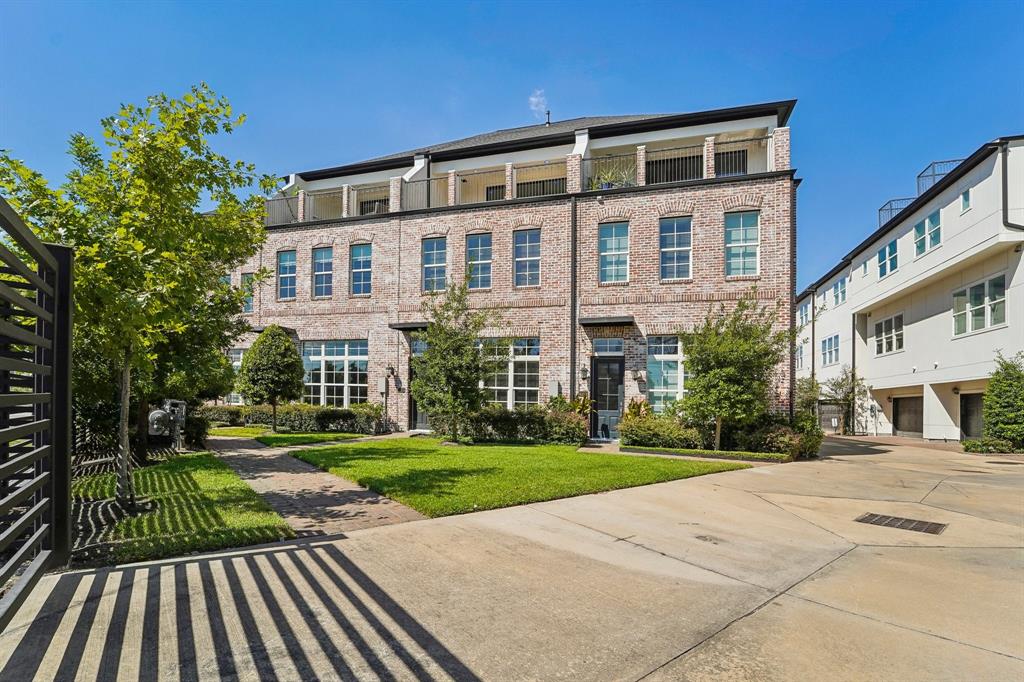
[760,574]
[311,501]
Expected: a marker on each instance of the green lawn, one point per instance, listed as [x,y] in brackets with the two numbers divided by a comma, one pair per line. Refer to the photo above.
[264,435]
[200,505]
[439,480]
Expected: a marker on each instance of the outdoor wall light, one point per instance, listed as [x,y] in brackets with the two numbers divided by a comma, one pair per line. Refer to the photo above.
[956,390]
[638,375]
[888,398]
[584,373]
[391,371]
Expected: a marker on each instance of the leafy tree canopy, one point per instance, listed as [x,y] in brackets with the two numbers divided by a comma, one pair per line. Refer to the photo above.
[271,371]
[1003,404]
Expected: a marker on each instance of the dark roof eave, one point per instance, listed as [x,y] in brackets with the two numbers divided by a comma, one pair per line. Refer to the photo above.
[607,321]
[407,326]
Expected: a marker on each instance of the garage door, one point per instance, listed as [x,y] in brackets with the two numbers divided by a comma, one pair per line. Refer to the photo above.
[908,416]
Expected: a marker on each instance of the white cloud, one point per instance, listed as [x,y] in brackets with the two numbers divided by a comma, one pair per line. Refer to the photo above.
[538,104]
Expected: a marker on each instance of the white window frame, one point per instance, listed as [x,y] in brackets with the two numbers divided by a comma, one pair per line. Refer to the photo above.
[249,304]
[676,250]
[516,260]
[471,264]
[521,353]
[830,350]
[326,277]
[618,253]
[677,357]
[965,201]
[352,352]
[433,266]
[798,356]
[804,313]
[609,346]
[888,259]
[891,341]
[927,233]
[839,291]
[352,270]
[292,275]
[988,304]
[235,356]
[743,244]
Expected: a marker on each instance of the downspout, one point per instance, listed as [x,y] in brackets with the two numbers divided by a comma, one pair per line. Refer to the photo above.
[572,297]
[814,324]
[853,372]
[1005,153]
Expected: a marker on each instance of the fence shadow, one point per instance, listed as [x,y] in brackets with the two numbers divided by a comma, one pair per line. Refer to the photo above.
[299,611]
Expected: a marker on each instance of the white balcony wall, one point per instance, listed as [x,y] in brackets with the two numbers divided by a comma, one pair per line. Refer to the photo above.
[763,125]
[553,153]
[359,179]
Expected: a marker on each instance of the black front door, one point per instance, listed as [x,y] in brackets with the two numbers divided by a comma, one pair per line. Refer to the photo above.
[908,417]
[971,423]
[606,387]
[418,419]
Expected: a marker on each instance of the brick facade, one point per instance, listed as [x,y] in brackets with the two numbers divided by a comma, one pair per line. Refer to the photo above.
[542,311]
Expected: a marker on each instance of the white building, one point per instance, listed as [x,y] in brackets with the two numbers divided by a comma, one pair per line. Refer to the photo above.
[921,307]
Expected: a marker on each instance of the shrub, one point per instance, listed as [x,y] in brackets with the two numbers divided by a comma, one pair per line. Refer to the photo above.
[1003,405]
[580,405]
[800,438]
[654,430]
[567,428]
[226,414]
[527,423]
[197,427]
[988,446]
[299,417]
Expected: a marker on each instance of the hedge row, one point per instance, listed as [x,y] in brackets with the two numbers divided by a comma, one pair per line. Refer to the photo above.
[299,417]
[527,424]
[990,446]
[715,454]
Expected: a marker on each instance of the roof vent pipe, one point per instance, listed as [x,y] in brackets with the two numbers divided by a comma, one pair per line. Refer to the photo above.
[548,122]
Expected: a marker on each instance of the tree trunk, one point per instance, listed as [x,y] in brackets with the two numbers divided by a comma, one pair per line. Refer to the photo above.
[125,490]
[718,433]
[273,409]
[142,429]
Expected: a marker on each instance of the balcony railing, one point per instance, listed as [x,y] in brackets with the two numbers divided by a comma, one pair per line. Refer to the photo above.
[477,187]
[369,199]
[324,205]
[609,172]
[425,193]
[891,208]
[674,165]
[741,157]
[935,172]
[282,210]
[539,179]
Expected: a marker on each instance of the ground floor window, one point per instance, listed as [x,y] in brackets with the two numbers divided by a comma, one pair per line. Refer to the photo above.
[235,356]
[517,381]
[666,371]
[336,372]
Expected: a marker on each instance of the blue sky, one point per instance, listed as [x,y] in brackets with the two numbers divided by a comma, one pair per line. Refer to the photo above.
[883,89]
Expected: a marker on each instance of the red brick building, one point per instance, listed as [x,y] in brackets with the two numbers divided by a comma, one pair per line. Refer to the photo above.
[592,240]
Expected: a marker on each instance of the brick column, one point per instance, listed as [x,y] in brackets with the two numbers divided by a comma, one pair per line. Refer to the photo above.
[344,201]
[709,157]
[452,195]
[573,173]
[301,208]
[510,175]
[395,195]
[780,149]
[641,165]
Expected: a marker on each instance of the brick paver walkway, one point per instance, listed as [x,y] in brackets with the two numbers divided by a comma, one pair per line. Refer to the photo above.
[311,501]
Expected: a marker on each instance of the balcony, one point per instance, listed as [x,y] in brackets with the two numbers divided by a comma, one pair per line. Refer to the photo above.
[282,210]
[609,172]
[325,205]
[675,164]
[891,209]
[477,187]
[539,179]
[369,199]
[742,157]
[418,194]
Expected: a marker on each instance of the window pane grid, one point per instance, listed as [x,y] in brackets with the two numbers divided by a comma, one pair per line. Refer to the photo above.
[526,257]
[518,381]
[247,305]
[286,274]
[360,269]
[675,244]
[888,259]
[435,258]
[666,373]
[980,306]
[323,272]
[742,243]
[336,372]
[830,350]
[889,335]
[613,247]
[478,260]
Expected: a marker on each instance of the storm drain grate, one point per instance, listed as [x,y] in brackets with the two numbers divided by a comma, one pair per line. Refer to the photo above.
[902,523]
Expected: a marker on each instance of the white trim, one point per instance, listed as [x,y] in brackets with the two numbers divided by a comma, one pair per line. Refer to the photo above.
[987,305]
[884,337]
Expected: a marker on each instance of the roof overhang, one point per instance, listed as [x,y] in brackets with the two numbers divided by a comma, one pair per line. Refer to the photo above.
[407,326]
[607,321]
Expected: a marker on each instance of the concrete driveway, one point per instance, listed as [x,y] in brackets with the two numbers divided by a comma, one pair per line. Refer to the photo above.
[761,574]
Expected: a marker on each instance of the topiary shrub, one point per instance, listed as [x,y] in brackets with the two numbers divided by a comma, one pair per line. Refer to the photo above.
[299,417]
[566,428]
[659,431]
[1003,404]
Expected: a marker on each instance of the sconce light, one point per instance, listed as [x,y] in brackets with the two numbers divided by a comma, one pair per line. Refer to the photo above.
[956,390]
[638,375]
[584,373]
[888,398]
[392,371]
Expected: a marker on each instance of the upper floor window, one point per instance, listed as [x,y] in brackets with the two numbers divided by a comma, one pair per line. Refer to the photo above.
[516,381]
[360,269]
[336,372]
[478,260]
[742,243]
[247,278]
[864,268]
[965,200]
[980,306]
[804,313]
[435,259]
[888,259]
[285,274]
[927,233]
[830,350]
[666,373]
[613,245]
[839,291]
[526,257]
[323,272]
[608,346]
[798,356]
[889,335]
[675,244]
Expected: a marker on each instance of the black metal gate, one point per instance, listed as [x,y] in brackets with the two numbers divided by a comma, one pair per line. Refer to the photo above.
[35,409]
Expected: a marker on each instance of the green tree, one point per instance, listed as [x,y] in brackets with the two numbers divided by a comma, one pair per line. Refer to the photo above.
[271,371]
[145,252]
[1003,404]
[447,376]
[849,392]
[807,395]
[732,357]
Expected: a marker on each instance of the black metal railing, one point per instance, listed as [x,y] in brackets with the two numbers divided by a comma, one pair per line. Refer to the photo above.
[324,205]
[741,157]
[369,199]
[674,165]
[477,187]
[609,172]
[35,410]
[282,210]
[891,209]
[539,179]
[426,193]
[935,172]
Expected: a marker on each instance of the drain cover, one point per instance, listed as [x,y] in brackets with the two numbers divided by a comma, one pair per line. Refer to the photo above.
[902,523]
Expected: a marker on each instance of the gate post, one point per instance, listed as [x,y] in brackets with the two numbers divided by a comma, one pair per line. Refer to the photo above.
[61,412]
